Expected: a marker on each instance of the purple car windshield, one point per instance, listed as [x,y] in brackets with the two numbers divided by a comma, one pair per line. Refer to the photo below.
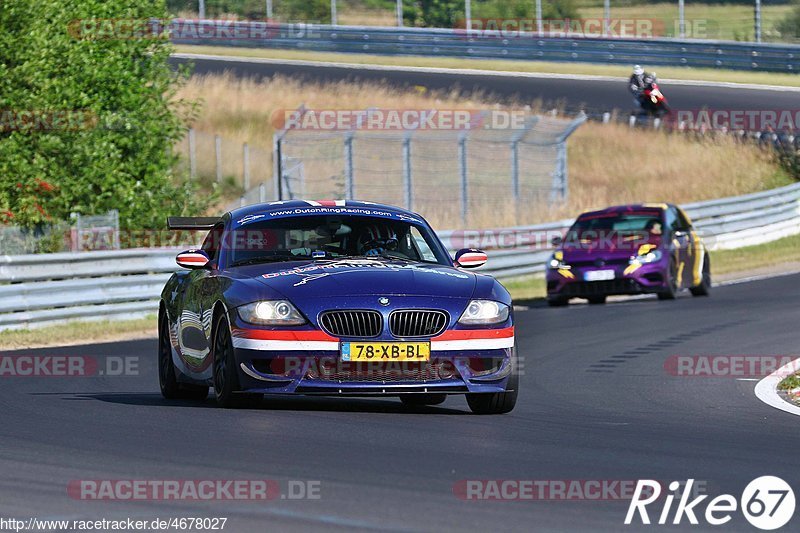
[596,227]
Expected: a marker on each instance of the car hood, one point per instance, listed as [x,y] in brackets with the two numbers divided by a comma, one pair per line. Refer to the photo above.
[363,277]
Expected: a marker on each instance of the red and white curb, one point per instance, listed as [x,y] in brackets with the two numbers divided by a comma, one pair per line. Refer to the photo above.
[767,389]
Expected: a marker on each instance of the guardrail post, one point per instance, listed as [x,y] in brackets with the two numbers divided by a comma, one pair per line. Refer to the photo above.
[218,156]
[246,167]
[462,171]
[407,184]
[192,154]
[349,186]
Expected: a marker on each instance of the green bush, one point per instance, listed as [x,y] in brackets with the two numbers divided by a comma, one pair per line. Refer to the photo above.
[57,58]
[789,27]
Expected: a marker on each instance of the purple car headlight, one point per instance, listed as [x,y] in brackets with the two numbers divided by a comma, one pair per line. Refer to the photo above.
[557,262]
[484,312]
[271,313]
[650,257]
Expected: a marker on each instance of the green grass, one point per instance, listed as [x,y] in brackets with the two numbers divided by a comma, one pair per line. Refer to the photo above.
[712,21]
[773,254]
[792,382]
[78,333]
[619,71]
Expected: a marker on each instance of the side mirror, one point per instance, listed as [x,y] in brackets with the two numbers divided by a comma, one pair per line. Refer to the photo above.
[192,259]
[470,258]
[557,241]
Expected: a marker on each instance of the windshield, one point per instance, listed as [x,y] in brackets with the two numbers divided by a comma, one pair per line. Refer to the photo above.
[636,225]
[331,237]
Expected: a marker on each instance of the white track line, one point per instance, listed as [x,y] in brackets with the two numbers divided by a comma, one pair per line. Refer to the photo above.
[474,72]
[767,389]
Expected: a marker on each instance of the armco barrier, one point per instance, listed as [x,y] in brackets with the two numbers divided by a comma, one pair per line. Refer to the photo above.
[493,45]
[47,288]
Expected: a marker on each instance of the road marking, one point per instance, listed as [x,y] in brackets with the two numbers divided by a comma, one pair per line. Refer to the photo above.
[476,72]
[766,390]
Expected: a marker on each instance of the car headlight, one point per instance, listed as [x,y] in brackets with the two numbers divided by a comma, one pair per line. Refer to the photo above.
[650,257]
[557,262]
[484,312]
[271,313]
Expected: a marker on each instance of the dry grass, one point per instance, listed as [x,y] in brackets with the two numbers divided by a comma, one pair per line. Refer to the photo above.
[79,332]
[608,164]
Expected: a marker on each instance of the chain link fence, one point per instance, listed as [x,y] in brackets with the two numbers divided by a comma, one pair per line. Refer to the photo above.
[456,178]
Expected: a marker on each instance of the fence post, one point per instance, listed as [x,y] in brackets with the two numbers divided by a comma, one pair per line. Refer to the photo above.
[399,9]
[515,170]
[681,19]
[462,170]
[757,22]
[262,192]
[246,166]
[606,18]
[277,166]
[349,186]
[559,189]
[218,156]
[539,23]
[333,13]
[407,183]
[192,154]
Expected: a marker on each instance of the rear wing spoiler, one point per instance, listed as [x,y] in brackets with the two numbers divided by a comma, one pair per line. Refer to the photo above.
[190,223]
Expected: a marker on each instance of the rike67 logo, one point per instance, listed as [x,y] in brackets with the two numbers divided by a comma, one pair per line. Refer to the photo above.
[767,503]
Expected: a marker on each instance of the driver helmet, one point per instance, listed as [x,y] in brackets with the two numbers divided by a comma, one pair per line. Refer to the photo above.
[376,239]
[638,70]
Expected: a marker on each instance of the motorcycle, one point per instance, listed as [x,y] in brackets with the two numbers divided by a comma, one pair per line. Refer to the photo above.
[653,101]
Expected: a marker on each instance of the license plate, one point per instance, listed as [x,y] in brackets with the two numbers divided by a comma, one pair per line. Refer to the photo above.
[598,275]
[386,351]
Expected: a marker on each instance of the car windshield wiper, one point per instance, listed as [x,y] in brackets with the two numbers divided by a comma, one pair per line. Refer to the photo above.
[267,259]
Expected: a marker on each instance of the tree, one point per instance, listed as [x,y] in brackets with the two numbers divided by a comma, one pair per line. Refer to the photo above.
[89,113]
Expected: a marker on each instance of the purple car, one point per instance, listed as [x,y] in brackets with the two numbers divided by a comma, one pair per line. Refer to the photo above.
[629,249]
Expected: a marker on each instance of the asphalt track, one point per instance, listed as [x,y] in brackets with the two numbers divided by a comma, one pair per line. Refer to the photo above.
[595,404]
[594,96]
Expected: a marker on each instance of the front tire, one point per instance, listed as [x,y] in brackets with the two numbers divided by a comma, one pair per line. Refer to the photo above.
[672,284]
[557,301]
[596,300]
[167,377]
[704,289]
[497,403]
[225,373]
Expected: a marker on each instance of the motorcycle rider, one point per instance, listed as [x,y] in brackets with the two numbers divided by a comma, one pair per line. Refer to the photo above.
[637,84]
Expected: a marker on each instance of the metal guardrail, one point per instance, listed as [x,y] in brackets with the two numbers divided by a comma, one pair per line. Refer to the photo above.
[495,45]
[47,288]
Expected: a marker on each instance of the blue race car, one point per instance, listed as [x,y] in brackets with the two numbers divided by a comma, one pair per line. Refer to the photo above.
[333,298]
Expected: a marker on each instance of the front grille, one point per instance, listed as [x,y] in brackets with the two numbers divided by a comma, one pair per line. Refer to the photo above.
[352,323]
[601,262]
[389,372]
[417,323]
[592,288]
